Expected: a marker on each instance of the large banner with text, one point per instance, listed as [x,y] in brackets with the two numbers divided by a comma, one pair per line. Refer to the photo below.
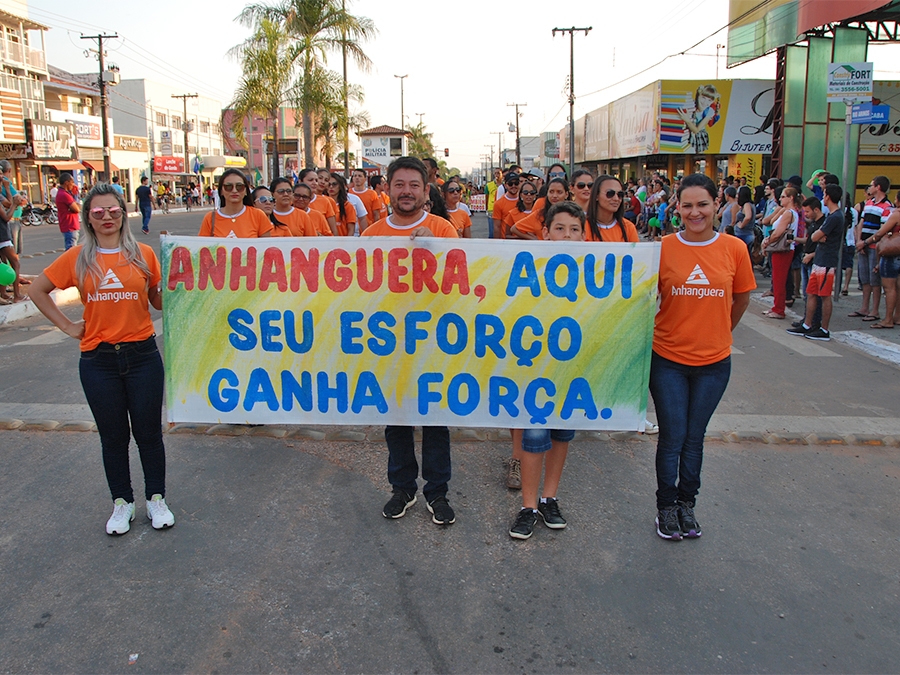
[474,333]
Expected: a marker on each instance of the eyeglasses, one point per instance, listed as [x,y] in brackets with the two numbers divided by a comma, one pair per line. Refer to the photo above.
[284,191]
[513,182]
[100,211]
[584,186]
[557,174]
[525,193]
[297,195]
[612,193]
[454,190]
[332,185]
[233,187]
[265,200]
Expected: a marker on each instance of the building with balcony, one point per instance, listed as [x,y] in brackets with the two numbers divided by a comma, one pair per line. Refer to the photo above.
[258,147]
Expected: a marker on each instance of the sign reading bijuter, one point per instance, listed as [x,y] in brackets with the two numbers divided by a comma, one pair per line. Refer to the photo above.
[436,331]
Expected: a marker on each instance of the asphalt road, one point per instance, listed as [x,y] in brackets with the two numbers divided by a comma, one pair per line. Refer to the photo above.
[280,560]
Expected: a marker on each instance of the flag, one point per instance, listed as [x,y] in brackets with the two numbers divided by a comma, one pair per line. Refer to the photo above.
[198,164]
[257,178]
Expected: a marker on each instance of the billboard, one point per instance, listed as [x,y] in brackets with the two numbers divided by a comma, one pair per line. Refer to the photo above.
[716,117]
[883,139]
[634,123]
[757,28]
[596,134]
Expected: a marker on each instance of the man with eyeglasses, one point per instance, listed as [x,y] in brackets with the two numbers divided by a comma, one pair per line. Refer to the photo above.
[506,203]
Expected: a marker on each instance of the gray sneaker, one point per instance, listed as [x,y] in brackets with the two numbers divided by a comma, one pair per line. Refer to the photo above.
[514,475]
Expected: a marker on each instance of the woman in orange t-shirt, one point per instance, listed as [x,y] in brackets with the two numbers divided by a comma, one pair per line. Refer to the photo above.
[318,202]
[532,226]
[237,216]
[452,191]
[705,279]
[346,213]
[606,213]
[121,369]
[288,221]
[303,193]
[524,207]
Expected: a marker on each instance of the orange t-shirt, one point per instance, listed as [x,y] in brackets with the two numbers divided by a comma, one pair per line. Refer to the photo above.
[372,202]
[438,226]
[513,217]
[319,223]
[531,223]
[502,206]
[324,205]
[539,204]
[613,233]
[386,200]
[697,283]
[460,220]
[343,224]
[248,224]
[117,306]
[298,224]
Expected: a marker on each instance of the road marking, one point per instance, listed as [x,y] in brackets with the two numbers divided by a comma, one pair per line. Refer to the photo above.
[735,350]
[777,333]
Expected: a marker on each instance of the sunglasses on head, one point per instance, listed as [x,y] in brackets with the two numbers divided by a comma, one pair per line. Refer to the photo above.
[583,186]
[99,211]
[265,200]
[233,187]
[613,193]
[557,174]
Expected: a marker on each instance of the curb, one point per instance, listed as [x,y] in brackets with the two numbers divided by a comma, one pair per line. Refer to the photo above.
[458,434]
[26,308]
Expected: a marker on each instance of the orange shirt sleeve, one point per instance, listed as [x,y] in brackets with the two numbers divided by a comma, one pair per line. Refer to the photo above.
[61,272]
[261,221]
[206,226]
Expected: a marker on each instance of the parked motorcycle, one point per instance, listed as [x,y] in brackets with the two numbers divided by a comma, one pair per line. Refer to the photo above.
[37,215]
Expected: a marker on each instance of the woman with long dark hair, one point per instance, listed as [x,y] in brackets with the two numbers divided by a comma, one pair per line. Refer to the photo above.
[288,221]
[785,226]
[120,367]
[346,213]
[532,226]
[236,215]
[524,208]
[691,360]
[452,192]
[606,213]
[581,184]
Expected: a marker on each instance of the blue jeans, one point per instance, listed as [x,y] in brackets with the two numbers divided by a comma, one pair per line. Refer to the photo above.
[122,382]
[70,238]
[685,399]
[146,211]
[403,468]
[490,227]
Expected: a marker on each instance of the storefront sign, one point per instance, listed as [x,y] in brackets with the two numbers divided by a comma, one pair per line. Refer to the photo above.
[88,128]
[51,140]
[850,82]
[13,151]
[387,331]
[746,166]
[168,165]
[130,143]
[633,122]
[882,138]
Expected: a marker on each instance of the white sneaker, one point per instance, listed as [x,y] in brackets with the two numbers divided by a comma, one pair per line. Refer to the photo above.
[158,513]
[650,428]
[120,520]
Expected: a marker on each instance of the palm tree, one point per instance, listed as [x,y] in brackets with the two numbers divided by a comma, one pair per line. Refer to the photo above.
[316,28]
[265,80]
[420,144]
[332,121]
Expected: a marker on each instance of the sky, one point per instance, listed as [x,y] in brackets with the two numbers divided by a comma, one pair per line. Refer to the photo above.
[464,61]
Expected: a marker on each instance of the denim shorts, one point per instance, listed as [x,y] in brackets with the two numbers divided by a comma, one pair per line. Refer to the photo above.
[538,440]
[867,275]
[889,268]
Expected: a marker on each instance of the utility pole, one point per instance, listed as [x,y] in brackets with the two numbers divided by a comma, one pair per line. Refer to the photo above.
[104,102]
[402,116]
[718,47]
[499,149]
[491,146]
[518,146]
[184,126]
[571,31]
[346,103]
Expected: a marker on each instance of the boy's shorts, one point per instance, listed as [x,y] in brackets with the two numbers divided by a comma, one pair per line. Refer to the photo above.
[539,440]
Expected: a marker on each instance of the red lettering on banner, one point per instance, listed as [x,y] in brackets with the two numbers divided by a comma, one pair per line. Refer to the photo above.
[247,271]
[456,272]
[424,268]
[306,266]
[212,270]
[337,279]
[181,269]
[396,270]
[367,283]
[273,271]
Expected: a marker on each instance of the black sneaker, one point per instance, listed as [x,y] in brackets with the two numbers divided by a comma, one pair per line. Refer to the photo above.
[523,527]
[798,330]
[549,511]
[690,528]
[796,324]
[441,512]
[818,334]
[667,525]
[397,504]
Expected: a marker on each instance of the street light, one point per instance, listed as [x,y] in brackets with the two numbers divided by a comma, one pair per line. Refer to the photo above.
[718,47]
[571,31]
[402,116]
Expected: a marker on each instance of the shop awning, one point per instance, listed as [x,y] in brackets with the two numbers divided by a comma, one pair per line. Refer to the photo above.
[98,165]
[62,164]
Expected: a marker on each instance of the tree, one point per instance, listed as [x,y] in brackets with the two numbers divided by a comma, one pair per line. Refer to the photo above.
[316,28]
[332,119]
[420,144]
[265,81]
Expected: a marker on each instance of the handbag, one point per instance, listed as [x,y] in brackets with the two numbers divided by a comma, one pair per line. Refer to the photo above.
[888,247]
[780,245]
